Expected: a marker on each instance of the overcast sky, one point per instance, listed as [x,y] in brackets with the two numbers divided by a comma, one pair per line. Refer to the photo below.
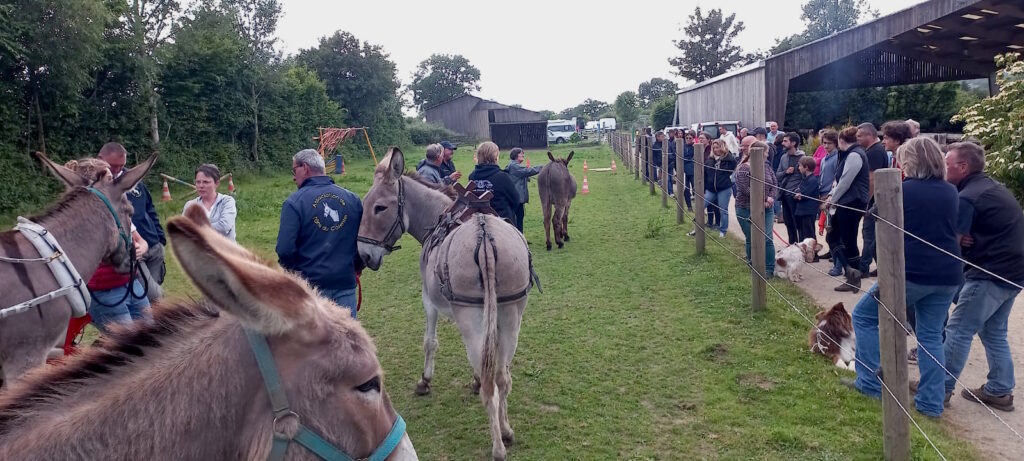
[541,54]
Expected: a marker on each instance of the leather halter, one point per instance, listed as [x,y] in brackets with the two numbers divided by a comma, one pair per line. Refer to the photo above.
[392,236]
[126,240]
[305,437]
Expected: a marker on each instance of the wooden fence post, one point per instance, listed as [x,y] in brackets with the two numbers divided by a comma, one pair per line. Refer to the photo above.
[640,156]
[664,173]
[650,166]
[680,182]
[699,213]
[758,292]
[892,292]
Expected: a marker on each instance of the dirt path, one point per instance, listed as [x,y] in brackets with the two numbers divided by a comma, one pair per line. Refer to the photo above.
[968,420]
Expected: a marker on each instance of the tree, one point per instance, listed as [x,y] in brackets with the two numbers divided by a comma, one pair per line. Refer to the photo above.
[654,89]
[442,77]
[627,107]
[150,25]
[996,122]
[663,112]
[823,18]
[708,48]
[591,109]
[256,22]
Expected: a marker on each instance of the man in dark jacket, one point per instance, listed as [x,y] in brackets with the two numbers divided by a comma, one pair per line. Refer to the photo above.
[688,168]
[789,181]
[874,150]
[145,219]
[991,230]
[319,225]
[488,176]
[446,169]
[520,175]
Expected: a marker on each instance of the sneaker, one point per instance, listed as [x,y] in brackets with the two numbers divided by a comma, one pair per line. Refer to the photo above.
[835,272]
[692,233]
[721,234]
[912,355]
[979,395]
[913,390]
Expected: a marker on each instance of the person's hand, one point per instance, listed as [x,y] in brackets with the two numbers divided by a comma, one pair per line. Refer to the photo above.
[769,202]
[966,241]
[141,247]
[455,176]
[789,170]
[799,197]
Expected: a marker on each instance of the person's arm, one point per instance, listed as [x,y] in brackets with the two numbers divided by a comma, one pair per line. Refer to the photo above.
[287,237]
[780,172]
[151,212]
[141,247]
[850,169]
[964,220]
[225,222]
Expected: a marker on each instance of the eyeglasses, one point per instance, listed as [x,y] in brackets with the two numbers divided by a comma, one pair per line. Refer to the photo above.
[296,167]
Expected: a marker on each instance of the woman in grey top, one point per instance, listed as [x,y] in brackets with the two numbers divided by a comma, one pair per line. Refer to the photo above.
[219,208]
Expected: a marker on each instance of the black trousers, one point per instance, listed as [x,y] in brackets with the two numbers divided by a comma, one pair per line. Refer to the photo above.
[843,238]
[788,217]
[520,211]
[805,227]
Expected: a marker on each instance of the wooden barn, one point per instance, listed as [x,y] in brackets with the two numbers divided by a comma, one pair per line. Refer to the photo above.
[481,119]
[934,41]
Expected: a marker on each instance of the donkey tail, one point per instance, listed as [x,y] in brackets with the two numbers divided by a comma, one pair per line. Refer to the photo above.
[486,259]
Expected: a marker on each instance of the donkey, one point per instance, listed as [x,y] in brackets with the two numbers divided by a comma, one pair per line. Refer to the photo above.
[88,233]
[557,188]
[189,385]
[478,274]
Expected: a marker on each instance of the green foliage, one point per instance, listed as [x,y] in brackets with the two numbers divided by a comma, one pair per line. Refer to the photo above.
[548,114]
[707,48]
[998,122]
[442,77]
[931,104]
[591,109]
[575,138]
[422,133]
[655,89]
[655,225]
[663,112]
[627,107]
[824,18]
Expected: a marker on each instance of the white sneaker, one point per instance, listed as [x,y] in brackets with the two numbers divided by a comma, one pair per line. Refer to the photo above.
[721,234]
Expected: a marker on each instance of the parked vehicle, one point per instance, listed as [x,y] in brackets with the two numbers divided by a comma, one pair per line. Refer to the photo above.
[559,131]
[711,128]
[607,123]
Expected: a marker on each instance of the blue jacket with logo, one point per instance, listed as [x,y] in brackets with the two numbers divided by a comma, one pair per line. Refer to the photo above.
[317,237]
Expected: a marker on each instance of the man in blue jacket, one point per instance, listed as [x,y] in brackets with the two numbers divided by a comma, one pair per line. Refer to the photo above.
[319,225]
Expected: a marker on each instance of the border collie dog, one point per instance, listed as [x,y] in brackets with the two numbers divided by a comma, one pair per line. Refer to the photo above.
[834,323]
[790,260]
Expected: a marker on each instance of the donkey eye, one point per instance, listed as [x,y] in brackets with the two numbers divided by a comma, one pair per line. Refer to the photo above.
[379,209]
[372,385]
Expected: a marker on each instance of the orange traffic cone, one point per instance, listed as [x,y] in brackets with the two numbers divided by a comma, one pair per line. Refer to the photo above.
[528,162]
[584,166]
[231,184]
[586,185]
[614,168]
[167,193]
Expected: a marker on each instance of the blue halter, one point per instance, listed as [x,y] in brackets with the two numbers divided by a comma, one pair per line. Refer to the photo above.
[126,240]
[305,437]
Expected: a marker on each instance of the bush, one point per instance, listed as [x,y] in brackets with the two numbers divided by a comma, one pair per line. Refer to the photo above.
[422,133]
[575,138]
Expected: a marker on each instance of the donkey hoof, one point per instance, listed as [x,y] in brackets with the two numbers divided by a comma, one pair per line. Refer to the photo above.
[549,246]
[560,245]
[566,238]
[475,387]
[422,388]
[508,438]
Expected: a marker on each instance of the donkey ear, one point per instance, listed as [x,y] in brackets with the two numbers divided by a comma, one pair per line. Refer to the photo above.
[397,166]
[264,299]
[569,159]
[551,157]
[64,174]
[196,214]
[130,178]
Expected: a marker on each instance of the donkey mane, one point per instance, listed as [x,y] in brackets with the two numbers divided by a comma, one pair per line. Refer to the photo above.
[49,385]
[65,203]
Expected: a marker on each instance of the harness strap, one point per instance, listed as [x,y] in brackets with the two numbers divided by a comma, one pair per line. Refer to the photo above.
[71,284]
[22,307]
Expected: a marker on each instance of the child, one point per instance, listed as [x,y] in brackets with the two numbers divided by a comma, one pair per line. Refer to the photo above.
[806,207]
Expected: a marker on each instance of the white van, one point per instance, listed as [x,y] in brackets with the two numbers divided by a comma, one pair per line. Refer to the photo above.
[559,131]
[607,123]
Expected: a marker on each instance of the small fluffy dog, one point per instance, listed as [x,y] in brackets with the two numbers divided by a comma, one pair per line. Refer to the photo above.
[834,323]
[789,260]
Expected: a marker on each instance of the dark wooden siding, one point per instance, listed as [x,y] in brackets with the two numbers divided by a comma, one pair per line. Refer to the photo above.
[457,115]
[527,135]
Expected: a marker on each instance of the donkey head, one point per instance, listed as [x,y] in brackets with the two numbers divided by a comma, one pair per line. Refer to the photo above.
[564,161]
[87,175]
[328,364]
[383,215]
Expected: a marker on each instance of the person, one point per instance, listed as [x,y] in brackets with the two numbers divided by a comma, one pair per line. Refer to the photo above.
[932,276]
[867,138]
[819,153]
[789,181]
[849,196]
[773,132]
[991,230]
[430,167]
[671,167]
[317,234]
[145,220]
[743,135]
[712,214]
[743,185]
[521,178]
[448,172]
[806,199]
[776,158]
[115,297]
[688,169]
[487,176]
[829,139]
[731,143]
[915,127]
[718,182]
[220,208]
[656,148]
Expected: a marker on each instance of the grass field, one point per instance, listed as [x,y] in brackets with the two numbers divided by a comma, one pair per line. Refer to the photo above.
[637,349]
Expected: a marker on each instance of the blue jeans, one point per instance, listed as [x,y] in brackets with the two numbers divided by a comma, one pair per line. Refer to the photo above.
[126,311]
[743,216]
[930,303]
[983,308]
[867,232]
[721,199]
[345,298]
[778,206]
[687,187]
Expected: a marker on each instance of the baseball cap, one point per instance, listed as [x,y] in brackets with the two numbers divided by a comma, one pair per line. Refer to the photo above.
[760,131]
[449,145]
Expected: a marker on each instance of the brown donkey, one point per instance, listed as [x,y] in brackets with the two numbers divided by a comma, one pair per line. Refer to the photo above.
[478,274]
[557,188]
[86,230]
[189,386]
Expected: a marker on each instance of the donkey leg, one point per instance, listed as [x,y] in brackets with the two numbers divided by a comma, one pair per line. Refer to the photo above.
[565,222]
[547,224]
[511,319]
[504,382]
[429,348]
[559,229]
